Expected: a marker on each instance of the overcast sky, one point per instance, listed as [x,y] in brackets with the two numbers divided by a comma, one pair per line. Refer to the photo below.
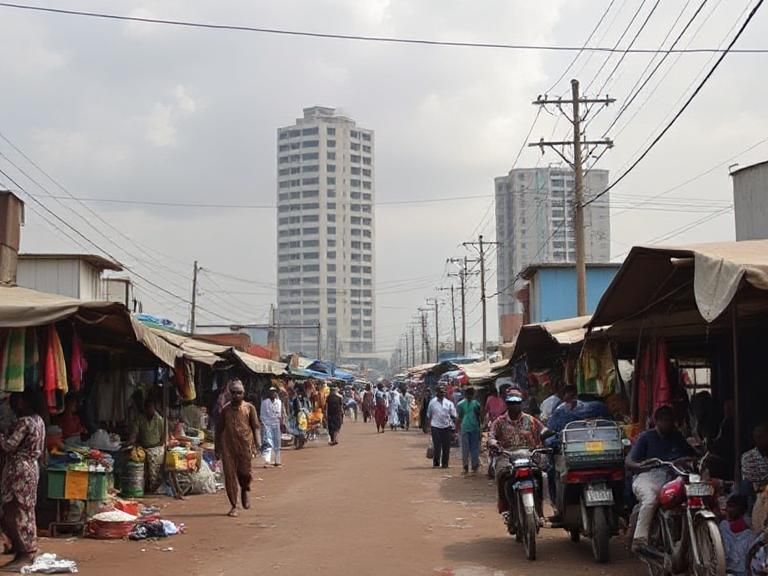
[116,110]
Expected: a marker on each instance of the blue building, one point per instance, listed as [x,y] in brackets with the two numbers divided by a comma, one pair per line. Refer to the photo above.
[552,290]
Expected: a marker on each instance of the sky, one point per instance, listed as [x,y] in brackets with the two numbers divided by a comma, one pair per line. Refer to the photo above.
[132,112]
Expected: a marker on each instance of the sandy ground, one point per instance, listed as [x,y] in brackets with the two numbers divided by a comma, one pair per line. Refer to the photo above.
[371,505]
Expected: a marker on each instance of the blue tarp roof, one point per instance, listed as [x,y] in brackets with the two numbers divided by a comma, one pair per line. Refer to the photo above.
[329,369]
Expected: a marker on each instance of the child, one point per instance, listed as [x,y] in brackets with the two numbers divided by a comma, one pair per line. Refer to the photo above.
[737,535]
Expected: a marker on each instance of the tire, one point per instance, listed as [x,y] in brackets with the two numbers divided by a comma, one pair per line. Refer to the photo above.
[601,535]
[710,546]
[575,536]
[754,549]
[529,535]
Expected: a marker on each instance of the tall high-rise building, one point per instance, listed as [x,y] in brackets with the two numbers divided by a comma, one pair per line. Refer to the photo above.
[534,224]
[326,235]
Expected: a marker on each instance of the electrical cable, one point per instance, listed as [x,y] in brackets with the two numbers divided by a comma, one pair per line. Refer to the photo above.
[683,109]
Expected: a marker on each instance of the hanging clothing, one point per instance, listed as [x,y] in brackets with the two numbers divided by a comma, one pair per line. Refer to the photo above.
[596,371]
[78,364]
[14,360]
[31,360]
[652,380]
[184,376]
[55,385]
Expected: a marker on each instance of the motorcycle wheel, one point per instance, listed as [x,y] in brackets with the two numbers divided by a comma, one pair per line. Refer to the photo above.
[529,536]
[710,546]
[575,536]
[656,542]
[601,535]
[753,550]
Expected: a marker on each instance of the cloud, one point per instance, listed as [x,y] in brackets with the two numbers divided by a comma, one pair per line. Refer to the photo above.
[161,123]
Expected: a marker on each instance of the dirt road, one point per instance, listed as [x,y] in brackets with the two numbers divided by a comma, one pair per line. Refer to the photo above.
[371,505]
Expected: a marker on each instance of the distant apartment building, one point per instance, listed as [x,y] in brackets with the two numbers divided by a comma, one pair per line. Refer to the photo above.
[326,235]
[534,225]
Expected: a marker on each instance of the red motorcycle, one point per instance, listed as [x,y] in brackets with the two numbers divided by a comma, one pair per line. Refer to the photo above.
[684,537]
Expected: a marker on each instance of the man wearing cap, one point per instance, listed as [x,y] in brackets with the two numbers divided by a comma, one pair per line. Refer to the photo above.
[441,414]
[271,421]
[513,431]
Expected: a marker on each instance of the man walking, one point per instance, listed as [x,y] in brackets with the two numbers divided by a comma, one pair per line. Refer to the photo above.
[237,436]
[382,403]
[469,412]
[272,420]
[334,415]
[441,415]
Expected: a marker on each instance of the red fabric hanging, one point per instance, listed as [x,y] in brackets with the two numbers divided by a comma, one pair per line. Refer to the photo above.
[49,378]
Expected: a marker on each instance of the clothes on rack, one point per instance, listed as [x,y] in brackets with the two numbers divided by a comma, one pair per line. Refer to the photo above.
[596,373]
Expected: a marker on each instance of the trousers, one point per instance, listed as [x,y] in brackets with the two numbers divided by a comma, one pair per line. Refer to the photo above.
[646,487]
[272,438]
[441,446]
[470,449]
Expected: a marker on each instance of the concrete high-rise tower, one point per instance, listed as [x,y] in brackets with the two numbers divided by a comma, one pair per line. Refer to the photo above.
[326,235]
[535,224]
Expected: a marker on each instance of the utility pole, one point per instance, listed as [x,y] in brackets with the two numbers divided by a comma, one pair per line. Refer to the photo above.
[577,164]
[437,330]
[192,319]
[453,316]
[413,344]
[463,274]
[424,350]
[481,244]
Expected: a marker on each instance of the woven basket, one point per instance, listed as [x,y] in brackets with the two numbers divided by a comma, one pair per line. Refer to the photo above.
[109,530]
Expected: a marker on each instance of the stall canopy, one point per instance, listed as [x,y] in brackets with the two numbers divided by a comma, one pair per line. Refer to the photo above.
[21,307]
[685,288]
[540,342]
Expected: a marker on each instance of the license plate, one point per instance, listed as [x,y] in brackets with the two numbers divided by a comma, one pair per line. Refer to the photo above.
[595,446]
[699,489]
[599,495]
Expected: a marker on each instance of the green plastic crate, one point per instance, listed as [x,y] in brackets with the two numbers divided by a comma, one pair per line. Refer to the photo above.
[97,486]
[56,481]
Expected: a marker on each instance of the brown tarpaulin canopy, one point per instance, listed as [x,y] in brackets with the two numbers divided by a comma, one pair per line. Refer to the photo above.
[546,339]
[672,280]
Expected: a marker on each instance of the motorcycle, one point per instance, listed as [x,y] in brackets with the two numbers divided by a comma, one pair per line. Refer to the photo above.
[684,536]
[589,482]
[523,491]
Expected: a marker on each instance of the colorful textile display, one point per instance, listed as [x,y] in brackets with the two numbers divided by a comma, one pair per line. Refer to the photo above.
[13,364]
[652,380]
[184,376]
[55,381]
[597,370]
[32,360]
[78,364]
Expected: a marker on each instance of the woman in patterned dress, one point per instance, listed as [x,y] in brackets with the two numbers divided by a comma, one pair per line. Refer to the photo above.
[22,448]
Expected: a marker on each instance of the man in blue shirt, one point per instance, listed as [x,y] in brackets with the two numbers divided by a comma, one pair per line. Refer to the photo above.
[666,443]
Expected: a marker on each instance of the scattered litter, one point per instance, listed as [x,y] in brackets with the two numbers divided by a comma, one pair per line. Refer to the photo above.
[50,564]
[169,549]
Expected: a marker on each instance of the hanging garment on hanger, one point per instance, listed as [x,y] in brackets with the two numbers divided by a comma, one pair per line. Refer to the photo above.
[13,360]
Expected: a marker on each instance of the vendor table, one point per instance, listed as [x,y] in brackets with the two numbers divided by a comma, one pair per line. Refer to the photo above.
[75,485]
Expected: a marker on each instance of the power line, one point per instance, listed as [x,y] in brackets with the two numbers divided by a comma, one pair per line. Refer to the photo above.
[580,52]
[685,106]
[359,37]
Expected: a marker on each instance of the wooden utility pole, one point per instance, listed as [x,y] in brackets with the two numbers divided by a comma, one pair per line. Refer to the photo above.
[193,313]
[463,274]
[424,349]
[577,164]
[480,245]
[413,345]
[453,316]
[437,331]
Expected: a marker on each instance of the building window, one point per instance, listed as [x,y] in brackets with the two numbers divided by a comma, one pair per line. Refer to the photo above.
[366,172]
[310,168]
[331,180]
[310,206]
[331,143]
[331,267]
[367,136]
[311,231]
[354,183]
[310,156]
[283,135]
[331,168]
[332,230]
[331,255]
[355,232]
[331,131]
[366,148]
[311,255]
[310,181]
[311,218]
[366,185]
[354,134]
[331,205]
[331,217]
[331,155]
[355,171]
[356,147]
[310,144]
[311,268]
[331,193]
[367,160]
[310,194]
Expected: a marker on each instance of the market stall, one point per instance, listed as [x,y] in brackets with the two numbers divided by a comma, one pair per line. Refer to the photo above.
[692,320]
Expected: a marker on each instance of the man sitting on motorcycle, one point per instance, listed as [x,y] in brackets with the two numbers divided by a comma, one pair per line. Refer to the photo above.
[513,431]
[663,442]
